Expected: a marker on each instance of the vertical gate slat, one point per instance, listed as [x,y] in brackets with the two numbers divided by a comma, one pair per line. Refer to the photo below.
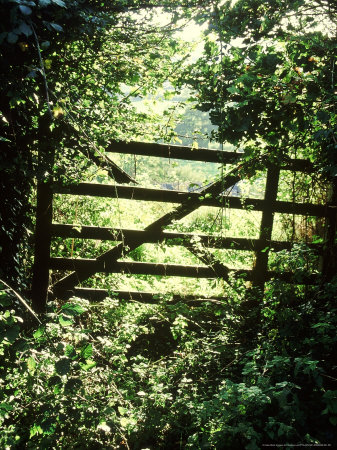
[261,257]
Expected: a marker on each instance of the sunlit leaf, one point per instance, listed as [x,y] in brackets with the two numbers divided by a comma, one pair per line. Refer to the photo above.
[31,364]
[88,365]
[65,321]
[86,351]
[72,309]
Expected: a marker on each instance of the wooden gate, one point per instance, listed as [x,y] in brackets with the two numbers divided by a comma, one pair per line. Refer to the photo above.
[213,195]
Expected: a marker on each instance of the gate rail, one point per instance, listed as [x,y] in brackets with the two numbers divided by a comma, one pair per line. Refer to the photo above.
[212,195]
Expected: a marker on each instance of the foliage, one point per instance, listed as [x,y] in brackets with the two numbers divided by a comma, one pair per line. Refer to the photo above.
[69,72]
[268,79]
[251,369]
[126,375]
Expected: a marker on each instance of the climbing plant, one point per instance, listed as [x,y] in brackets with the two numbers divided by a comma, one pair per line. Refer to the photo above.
[70,69]
[268,78]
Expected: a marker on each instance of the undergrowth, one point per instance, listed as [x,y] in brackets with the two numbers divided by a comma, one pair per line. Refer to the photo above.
[223,375]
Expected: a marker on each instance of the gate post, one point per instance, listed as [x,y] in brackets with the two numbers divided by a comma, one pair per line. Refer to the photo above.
[261,256]
[329,260]
[44,216]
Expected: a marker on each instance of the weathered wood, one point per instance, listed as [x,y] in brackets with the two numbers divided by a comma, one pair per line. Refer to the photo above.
[173,152]
[168,196]
[192,154]
[127,246]
[44,216]
[160,269]
[98,295]
[261,257]
[170,238]
[133,267]
[191,203]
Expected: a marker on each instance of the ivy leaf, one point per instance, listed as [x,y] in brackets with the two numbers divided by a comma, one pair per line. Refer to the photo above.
[233,90]
[122,411]
[25,29]
[323,116]
[56,383]
[45,45]
[5,408]
[26,10]
[12,38]
[5,299]
[59,3]
[56,27]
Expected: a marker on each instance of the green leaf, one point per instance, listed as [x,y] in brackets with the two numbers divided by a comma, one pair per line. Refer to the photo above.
[5,408]
[39,332]
[124,422]
[71,309]
[26,10]
[62,366]
[86,351]
[59,3]
[5,299]
[333,420]
[31,364]
[12,333]
[65,321]
[73,385]
[323,116]
[25,29]
[45,45]
[141,393]
[56,27]
[122,410]
[233,90]
[70,352]
[55,382]
[12,38]
[35,429]
[88,365]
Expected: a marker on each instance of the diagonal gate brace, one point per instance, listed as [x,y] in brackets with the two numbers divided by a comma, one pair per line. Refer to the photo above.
[191,204]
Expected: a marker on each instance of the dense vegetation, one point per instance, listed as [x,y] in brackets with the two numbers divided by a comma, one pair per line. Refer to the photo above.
[241,369]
